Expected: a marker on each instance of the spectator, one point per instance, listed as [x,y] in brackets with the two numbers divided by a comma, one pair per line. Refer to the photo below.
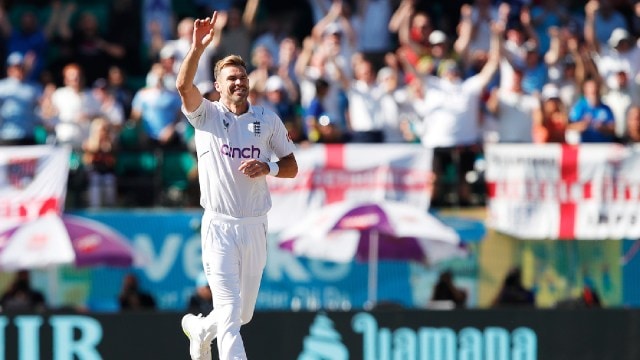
[601,19]
[99,159]
[479,19]
[534,71]
[545,15]
[73,108]
[238,28]
[514,111]
[590,117]
[263,68]
[318,125]
[513,293]
[132,297]
[181,45]
[278,100]
[201,300]
[465,31]
[521,51]
[394,104]
[620,98]
[365,116]
[117,80]
[323,58]
[19,103]
[446,290]
[615,48]
[266,64]
[158,110]
[28,39]
[275,28]
[108,107]
[451,119]
[565,64]
[286,63]
[552,124]
[167,62]
[371,29]
[315,111]
[336,31]
[157,26]
[632,135]
[20,296]
[413,29]
[440,51]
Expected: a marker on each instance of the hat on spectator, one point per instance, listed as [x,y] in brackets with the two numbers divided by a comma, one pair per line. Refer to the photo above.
[15,59]
[618,35]
[550,91]
[274,83]
[437,37]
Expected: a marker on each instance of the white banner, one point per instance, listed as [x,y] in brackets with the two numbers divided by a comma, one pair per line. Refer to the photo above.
[553,191]
[331,173]
[33,182]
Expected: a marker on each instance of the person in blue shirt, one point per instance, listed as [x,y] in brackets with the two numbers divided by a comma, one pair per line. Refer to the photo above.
[19,102]
[29,38]
[158,110]
[592,118]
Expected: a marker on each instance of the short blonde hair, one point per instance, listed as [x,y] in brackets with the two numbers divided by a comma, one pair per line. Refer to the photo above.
[230,60]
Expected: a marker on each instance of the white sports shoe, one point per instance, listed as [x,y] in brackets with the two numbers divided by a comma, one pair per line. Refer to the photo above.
[199,338]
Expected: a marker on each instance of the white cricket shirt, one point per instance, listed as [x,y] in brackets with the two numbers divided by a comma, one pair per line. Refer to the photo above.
[223,140]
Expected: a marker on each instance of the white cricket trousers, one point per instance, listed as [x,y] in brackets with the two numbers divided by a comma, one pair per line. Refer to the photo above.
[234,255]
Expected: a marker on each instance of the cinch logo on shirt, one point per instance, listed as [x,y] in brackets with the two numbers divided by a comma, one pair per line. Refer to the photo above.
[240,153]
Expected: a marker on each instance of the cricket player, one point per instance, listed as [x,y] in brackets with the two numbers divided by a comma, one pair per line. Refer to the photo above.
[235,144]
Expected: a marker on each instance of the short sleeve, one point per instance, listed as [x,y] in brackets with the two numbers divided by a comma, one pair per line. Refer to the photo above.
[197,117]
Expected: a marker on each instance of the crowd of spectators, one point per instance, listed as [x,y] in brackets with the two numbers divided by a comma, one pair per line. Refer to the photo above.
[451,75]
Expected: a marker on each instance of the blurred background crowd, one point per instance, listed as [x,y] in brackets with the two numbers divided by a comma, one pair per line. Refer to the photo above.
[99,75]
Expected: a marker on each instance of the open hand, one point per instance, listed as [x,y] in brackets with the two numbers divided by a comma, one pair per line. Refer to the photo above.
[203,30]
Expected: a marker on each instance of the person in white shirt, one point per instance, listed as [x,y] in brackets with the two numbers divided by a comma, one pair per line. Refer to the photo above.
[514,111]
[451,106]
[620,99]
[74,107]
[451,117]
[618,51]
[235,142]
[366,117]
